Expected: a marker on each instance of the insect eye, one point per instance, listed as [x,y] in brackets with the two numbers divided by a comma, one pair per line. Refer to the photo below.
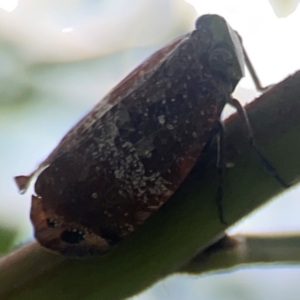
[51,223]
[73,236]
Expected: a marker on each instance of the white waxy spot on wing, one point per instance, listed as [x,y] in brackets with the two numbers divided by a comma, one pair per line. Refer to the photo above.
[161,119]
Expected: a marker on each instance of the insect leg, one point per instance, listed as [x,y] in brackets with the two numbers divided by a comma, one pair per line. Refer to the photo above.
[267,165]
[218,133]
[251,69]
[253,74]
[220,168]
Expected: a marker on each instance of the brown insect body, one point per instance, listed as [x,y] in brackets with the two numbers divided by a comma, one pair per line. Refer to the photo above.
[125,159]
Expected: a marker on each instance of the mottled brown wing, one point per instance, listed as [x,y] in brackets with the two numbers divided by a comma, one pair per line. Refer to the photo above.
[133,158]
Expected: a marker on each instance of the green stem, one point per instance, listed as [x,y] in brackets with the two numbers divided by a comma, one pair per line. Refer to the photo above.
[236,251]
[188,222]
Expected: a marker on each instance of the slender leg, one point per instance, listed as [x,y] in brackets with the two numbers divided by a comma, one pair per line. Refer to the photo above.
[251,69]
[213,134]
[220,167]
[218,133]
[267,165]
[253,74]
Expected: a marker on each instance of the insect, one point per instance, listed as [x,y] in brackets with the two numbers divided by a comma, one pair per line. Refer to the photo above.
[131,152]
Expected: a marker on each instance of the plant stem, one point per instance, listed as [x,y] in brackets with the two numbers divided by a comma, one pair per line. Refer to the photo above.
[185,225]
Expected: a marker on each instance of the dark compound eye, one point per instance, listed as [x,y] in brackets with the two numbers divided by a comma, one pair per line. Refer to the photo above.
[73,236]
[51,223]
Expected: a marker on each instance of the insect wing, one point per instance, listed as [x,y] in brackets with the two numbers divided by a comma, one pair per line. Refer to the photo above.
[125,159]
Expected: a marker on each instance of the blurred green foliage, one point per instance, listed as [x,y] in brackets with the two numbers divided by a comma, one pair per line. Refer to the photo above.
[7,238]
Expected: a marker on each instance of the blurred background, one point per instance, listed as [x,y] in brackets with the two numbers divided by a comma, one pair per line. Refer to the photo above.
[58,58]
